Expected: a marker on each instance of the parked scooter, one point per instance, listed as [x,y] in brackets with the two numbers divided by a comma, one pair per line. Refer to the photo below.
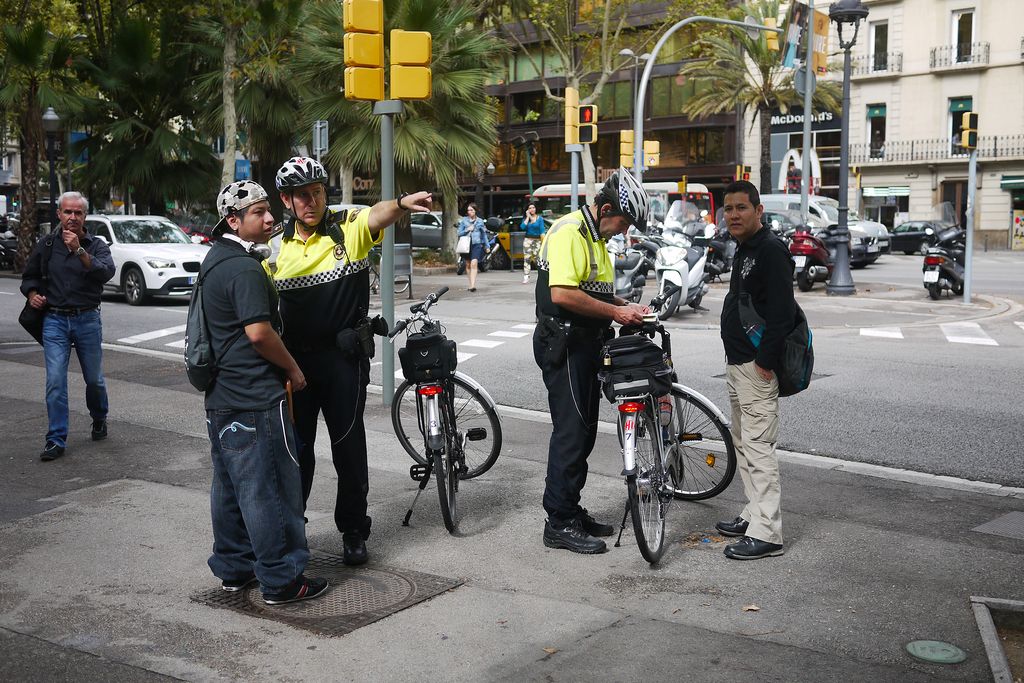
[681,261]
[812,260]
[632,264]
[721,250]
[944,263]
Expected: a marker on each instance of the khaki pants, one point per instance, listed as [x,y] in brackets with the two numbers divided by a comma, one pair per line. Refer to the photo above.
[755,431]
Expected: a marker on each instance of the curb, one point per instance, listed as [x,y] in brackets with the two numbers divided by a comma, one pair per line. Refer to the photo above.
[423,271]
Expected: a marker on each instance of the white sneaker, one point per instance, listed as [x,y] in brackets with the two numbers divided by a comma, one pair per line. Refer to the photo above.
[526,279]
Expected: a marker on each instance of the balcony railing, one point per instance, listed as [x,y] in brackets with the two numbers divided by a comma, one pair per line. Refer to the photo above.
[878,64]
[953,56]
[936,149]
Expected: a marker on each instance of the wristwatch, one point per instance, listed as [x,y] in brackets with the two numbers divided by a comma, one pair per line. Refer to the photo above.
[79,251]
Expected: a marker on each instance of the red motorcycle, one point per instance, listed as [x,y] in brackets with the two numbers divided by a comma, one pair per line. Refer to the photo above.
[812,259]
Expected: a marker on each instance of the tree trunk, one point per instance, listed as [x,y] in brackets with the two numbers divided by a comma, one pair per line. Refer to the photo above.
[29,148]
[347,172]
[765,165]
[227,173]
[449,216]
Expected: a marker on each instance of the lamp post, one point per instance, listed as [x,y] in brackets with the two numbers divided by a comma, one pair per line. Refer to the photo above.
[626,52]
[51,125]
[846,14]
[490,188]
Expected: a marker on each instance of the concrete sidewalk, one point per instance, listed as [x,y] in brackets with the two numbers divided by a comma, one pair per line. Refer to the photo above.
[102,549]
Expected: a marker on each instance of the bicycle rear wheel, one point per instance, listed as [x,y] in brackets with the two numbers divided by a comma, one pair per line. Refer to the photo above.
[473,413]
[699,454]
[647,504]
[446,472]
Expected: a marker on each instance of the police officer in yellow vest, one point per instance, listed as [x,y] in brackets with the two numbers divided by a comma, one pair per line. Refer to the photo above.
[323,280]
[575,307]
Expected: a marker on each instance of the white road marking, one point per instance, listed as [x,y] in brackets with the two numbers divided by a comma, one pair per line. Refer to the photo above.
[155,334]
[509,335]
[481,343]
[463,357]
[1019,324]
[967,333]
[145,352]
[174,310]
[180,344]
[7,293]
[524,326]
[887,332]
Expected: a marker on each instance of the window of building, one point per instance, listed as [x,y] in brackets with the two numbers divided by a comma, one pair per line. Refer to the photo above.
[526,66]
[963,33]
[876,130]
[615,101]
[669,94]
[553,63]
[879,43]
[527,108]
[957,107]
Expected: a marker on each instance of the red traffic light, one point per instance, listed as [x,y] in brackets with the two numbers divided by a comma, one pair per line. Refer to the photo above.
[587,113]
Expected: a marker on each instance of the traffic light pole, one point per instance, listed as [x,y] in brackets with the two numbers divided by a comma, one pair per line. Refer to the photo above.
[972,180]
[387,109]
[810,81]
[574,175]
[641,95]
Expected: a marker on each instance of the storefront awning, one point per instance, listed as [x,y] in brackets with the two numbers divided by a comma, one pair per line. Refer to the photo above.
[895,191]
[959,104]
[1011,182]
[876,111]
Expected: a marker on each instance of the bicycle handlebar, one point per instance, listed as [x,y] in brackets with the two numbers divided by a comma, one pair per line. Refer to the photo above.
[419,308]
[399,327]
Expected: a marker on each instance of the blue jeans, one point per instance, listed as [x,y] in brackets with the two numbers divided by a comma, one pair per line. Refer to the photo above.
[256,497]
[85,331]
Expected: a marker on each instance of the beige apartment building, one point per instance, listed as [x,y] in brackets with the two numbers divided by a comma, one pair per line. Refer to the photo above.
[917,66]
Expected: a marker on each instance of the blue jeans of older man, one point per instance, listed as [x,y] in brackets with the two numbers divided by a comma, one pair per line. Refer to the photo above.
[85,333]
[256,497]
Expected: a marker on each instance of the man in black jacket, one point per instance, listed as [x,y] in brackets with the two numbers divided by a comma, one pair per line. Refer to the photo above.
[763,271]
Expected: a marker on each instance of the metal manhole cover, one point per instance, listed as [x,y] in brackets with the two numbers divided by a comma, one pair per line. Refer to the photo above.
[358,596]
[1010,525]
[936,652]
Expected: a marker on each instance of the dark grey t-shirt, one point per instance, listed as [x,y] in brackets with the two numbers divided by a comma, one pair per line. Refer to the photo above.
[238,293]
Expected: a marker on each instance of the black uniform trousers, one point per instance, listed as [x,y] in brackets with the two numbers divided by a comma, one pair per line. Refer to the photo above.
[336,386]
[574,396]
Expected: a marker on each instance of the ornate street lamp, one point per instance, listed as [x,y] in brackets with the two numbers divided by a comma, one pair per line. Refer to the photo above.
[846,14]
[490,188]
[51,125]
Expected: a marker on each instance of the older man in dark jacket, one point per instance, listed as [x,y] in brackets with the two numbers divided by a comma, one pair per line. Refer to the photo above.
[68,288]
[763,271]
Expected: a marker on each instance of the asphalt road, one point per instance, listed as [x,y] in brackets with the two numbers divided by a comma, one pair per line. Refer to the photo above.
[897,382]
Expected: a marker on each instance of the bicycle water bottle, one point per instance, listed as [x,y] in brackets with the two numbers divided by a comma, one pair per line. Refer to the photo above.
[665,410]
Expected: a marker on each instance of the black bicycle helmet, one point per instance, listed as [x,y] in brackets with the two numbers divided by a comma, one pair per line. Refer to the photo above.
[299,171]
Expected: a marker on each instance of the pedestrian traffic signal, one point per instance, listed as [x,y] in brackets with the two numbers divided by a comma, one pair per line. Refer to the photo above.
[410,65]
[742,172]
[587,123]
[572,103]
[772,37]
[652,152]
[626,148]
[969,130]
[363,21]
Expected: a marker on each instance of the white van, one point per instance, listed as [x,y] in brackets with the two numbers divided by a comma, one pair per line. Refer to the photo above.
[827,209]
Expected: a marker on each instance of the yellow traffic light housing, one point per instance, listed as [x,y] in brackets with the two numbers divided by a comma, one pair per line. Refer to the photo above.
[652,152]
[681,185]
[410,65]
[587,123]
[771,37]
[363,21]
[626,148]
[969,130]
[572,103]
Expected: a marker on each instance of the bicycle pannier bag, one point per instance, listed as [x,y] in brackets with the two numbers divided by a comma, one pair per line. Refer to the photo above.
[634,365]
[428,356]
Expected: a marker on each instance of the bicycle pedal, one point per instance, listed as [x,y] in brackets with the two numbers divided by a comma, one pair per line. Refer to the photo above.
[419,472]
[476,434]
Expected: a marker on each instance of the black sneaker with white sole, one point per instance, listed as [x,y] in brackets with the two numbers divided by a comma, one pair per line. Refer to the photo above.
[301,588]
[51,451]
[235,585]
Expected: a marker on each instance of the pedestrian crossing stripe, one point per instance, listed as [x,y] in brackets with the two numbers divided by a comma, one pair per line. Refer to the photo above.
[967,333]
[481,343]
[886,332]
[509,335]
[155,334]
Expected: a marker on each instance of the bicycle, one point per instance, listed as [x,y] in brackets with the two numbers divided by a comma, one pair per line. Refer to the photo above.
[666,431]
[454,416]
[401,284]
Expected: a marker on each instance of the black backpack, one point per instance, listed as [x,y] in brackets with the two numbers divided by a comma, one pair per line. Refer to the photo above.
[797,360]
[200,364]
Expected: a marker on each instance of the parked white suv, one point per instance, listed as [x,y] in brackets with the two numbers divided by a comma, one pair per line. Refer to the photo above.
[153,256]
[827,209]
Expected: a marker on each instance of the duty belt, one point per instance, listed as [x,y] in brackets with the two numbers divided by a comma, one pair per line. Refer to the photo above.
[71,310]
[571,325]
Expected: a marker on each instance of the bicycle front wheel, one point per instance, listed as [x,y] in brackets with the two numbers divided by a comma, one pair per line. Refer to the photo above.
[476,425]
[699,454]
[447,486]
[647,504]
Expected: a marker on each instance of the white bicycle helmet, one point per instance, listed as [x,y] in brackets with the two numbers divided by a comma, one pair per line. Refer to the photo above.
[299,171]
[628,197]
[236,196]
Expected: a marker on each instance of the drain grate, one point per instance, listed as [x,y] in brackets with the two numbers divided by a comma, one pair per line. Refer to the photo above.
[358,596]
[1010,525]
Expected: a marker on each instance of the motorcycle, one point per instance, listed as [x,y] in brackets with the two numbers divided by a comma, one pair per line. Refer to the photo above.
[944,263]
[632,264]
[721,250]
[812,260]
[680,261]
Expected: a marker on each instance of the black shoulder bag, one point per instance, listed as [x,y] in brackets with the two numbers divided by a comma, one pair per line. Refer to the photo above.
[32,318]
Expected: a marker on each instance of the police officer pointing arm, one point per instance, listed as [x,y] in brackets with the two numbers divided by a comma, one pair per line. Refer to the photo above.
[575,307]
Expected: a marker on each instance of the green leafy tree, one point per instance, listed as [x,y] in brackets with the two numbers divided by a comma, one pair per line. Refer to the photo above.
[739,72]
[37,74]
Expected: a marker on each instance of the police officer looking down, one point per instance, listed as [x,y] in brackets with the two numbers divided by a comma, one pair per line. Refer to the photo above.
[575,307]
[323,280]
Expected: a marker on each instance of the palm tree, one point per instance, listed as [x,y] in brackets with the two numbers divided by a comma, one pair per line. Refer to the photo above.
[740,72]
[37,76]
[142,136]
[435,139]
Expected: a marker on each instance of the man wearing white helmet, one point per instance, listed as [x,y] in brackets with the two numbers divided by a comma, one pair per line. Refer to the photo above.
[323,280]
[575,306]
[256,496]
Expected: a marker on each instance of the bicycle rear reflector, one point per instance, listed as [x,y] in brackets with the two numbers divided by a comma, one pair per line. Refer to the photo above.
[429,389]
[631,406]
